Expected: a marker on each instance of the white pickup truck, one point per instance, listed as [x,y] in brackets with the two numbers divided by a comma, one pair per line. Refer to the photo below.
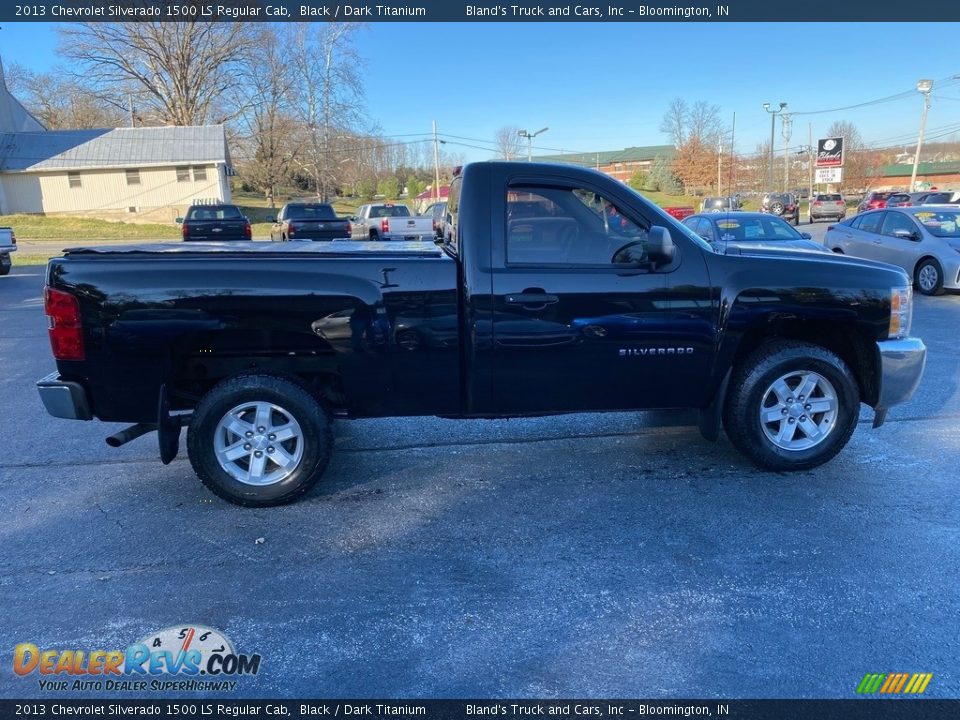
[8,244]
[386,221]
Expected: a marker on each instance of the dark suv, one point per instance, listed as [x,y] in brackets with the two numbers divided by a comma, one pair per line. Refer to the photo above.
[786,205]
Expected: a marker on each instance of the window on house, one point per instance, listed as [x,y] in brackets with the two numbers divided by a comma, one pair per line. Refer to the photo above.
[133,177]
[183,174]
[199,173]
[73,178]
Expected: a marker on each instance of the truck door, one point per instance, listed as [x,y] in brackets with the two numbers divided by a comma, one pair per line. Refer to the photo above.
[585,314]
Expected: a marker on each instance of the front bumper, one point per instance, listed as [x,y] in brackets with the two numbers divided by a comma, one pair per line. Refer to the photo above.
[63,398]
[901,367]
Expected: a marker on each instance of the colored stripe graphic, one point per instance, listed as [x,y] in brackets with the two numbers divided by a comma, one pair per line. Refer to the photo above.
[894,683]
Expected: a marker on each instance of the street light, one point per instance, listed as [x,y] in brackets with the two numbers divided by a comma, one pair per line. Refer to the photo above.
[773,120]
[923,87]
[530,137]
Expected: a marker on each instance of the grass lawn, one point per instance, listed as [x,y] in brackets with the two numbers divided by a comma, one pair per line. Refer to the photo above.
[42,227]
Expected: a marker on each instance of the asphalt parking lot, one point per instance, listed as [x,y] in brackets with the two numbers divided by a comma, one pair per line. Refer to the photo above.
[583,556]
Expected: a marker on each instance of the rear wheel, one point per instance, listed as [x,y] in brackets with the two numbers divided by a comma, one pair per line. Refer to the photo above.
[259,440]
[5,264]
[792,406]
[929,277]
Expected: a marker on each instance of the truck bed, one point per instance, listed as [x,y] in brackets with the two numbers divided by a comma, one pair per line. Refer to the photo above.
[340,249]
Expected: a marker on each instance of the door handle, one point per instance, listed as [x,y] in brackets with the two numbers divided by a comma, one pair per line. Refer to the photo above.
[532,299]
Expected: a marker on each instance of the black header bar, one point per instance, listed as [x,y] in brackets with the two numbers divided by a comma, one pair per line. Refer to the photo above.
[698,11]
[592,709]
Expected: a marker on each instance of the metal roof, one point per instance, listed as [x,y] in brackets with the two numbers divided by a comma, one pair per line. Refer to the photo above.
[609,157]
[112,148]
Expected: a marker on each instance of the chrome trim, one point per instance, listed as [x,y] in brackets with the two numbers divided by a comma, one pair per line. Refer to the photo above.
[901,367]
[64,399]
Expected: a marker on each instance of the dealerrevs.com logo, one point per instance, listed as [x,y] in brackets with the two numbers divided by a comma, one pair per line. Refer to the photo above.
[201,658]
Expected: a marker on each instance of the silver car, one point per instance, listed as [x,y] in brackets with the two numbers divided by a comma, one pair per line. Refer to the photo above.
[924,241]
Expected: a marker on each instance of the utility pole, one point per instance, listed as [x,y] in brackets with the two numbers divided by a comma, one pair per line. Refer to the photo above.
[773,123]
[436,164]
[787,131]
[813,154]
[530,136]
[719,164]
[924,87]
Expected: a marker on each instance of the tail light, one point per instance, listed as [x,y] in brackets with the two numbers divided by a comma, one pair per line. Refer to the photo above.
[248,231]
[13,237]
[66,328]
[385,226]
[817,203]
[184,231]
[291,229]
[349,228]
[839,202]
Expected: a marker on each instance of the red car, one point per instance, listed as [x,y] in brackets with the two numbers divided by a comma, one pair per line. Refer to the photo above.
[873,201]
[679,212]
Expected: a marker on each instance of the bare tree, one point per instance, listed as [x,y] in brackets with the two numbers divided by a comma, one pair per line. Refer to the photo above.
[265,123]
[60,103]
[508,142]
[695,131]
[179,70]
[328,101]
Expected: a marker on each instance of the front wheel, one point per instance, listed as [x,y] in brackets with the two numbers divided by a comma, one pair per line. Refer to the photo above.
[792,406]
[259,440]
[929,277]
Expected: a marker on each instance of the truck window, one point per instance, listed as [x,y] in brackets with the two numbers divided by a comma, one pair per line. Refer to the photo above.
[452,216]
[313,211]
[379,211]
[215,212]
[570,226]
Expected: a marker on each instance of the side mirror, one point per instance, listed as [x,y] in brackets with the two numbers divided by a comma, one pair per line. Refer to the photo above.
[806,236]
[179,221]
[270,219]
[661,248]
[907,235]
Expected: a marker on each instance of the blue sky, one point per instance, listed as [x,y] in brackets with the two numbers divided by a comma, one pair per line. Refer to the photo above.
[605,86]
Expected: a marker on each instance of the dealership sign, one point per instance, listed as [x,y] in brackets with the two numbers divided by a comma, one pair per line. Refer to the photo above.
[828,175]
[830,152]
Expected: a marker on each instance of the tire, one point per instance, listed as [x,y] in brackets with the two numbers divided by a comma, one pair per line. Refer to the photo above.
[928,277]
[374,236]
[783,367]
[232,409]
[5,265]
[777,208]
[283,237]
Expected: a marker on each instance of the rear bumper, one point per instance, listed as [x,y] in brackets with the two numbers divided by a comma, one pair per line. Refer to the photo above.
[64,399]
[901,367]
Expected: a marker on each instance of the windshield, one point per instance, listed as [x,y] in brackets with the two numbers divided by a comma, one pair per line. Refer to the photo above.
[765,228]
[940,223]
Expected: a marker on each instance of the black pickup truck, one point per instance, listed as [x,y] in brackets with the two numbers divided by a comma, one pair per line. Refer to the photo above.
[557,290]
[214,223]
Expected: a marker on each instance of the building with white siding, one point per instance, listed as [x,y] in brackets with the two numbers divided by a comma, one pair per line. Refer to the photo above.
[153,172]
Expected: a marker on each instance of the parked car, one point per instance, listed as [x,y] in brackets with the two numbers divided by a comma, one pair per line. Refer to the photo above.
[750,231]
[605,304]
[873,201]
[786,205]
[679,212]
[214,223]
[828,205]
[938,197]
[387,221]
[924,241]
[905,199]
[719,204]
[437,213]
[308,221]
[8,244]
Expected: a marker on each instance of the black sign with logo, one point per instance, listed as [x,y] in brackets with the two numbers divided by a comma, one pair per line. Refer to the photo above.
[830,152]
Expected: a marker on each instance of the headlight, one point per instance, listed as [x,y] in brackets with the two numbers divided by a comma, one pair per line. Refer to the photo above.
[901,312]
